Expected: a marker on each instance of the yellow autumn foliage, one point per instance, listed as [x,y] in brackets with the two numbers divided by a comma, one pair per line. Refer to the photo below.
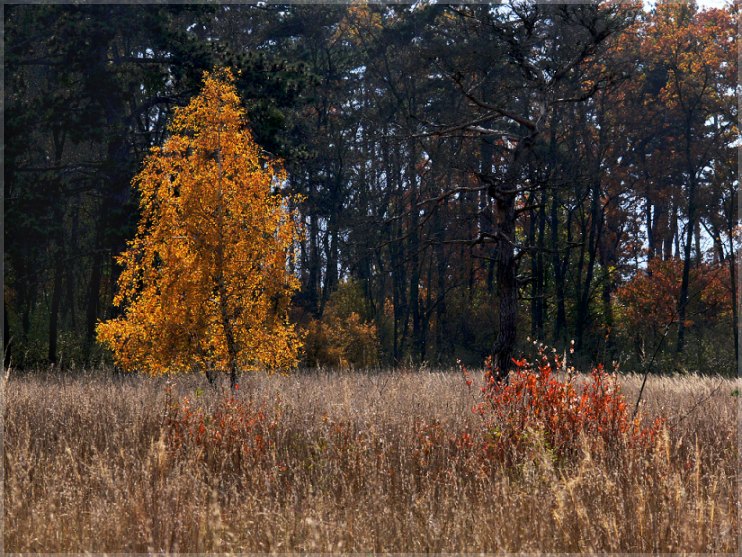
[205,282]
[343,337]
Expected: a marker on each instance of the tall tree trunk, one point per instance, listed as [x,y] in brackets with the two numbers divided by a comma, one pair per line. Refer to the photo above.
[329,243]
[690,229]
[735,302]
[68,309]
[7,341]
[580,267]
[732,223]
[534,271]
[58,141]
[314,264]
[441,344]
[399,299]
[560,321]
[670,231]
[675,228]
[650,227]
[507,286]
[221,285]
[504,194]
[54,310]
[697,233]
[607,262]
[485,206]
[537,221]
[426,310]
[540,279]
[596,226]
[93,293]
[414,251]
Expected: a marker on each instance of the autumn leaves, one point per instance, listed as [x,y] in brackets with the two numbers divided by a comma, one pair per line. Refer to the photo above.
[205,282]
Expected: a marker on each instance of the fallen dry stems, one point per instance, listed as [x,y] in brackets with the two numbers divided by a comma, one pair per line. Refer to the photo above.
[353,463]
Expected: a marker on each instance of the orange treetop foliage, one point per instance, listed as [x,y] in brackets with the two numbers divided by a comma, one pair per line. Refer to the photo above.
[697,49]
[205,282]
[650,300]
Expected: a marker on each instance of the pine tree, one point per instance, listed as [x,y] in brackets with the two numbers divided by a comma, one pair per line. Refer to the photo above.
[205,282]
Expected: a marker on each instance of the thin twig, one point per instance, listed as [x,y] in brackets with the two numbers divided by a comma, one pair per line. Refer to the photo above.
[697,404]
[648,367]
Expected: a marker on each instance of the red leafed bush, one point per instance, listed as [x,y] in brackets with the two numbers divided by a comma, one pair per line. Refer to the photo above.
[535,407]
[233,431]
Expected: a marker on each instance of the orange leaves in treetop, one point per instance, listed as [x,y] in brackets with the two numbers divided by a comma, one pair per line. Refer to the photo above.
[205,282]
[650,299]
[697,50]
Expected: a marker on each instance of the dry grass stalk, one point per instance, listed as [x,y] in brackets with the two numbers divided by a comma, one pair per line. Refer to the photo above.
[354,463]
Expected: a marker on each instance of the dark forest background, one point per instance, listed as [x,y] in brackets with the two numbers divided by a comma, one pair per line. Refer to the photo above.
[475,178]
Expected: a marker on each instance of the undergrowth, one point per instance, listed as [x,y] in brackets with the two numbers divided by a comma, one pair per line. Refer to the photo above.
[534,408]
[379,462]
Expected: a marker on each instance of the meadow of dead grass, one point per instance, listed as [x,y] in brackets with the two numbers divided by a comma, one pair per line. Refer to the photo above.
[353,462]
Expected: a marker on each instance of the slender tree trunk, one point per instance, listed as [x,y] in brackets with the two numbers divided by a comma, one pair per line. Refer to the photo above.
[536,241]
[690,229]
[670,231]
[26,318]
[607,311]
[68,314]
[58,141]
[596,226]
[531,241]
[607,261]
[326,284]
[221,285]
[333,273]
[540,279]
[733,277]
[54,310]
[675,229]
[699,254]
[485,206]
[580,269]
[441,343]
[399,298]
[426,310]
[314,264]
[413,248]
[7,340]
[560,321]
[93,293]
[650,224]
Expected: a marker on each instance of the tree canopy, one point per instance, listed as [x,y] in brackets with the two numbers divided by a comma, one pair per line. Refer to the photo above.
[205,282]
[471,176]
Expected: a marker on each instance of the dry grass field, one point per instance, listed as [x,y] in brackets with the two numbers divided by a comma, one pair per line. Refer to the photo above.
[350,462]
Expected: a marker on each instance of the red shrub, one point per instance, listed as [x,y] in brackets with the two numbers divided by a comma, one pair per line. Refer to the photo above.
[535,406]
[234,430]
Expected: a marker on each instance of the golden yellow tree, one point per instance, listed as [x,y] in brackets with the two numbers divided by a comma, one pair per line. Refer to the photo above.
[205,283]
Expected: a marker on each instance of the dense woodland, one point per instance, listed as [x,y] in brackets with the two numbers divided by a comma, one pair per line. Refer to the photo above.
[472,177]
